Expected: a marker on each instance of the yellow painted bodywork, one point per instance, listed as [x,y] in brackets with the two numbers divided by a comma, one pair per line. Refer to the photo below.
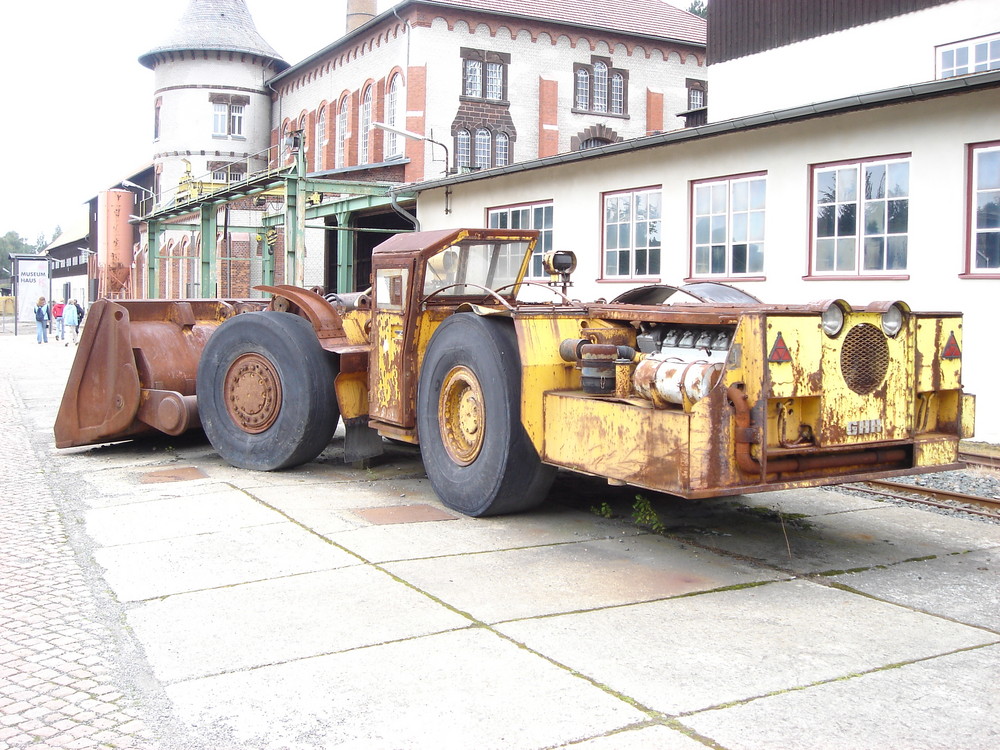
[810,387]
[386,366]
[627,441]
[352,394]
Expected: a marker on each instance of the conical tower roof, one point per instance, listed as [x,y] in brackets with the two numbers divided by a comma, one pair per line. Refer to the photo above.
[215,25]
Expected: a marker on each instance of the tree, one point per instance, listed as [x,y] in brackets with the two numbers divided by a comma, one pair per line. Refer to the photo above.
[13,243]
[699,8]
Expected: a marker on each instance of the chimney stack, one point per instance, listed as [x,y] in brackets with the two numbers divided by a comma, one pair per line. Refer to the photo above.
[359,12]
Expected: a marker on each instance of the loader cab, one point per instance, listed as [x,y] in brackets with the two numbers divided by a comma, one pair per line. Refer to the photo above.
[420,279]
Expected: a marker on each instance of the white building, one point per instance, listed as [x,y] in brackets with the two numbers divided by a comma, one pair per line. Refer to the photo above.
[211,105]
[894,195]
[780,54]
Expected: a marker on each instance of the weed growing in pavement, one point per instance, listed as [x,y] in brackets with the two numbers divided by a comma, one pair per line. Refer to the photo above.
[603,510]
[644,515]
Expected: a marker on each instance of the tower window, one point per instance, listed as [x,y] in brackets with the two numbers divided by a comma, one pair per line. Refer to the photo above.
[228,114]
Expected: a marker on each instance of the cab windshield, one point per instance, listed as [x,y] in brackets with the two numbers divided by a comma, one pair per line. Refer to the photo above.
[467,269]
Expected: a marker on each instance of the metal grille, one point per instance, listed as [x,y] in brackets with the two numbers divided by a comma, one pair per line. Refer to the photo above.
[864,359]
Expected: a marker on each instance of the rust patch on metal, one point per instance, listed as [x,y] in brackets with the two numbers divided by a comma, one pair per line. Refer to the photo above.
[179,474]
[402,514]
[252,391]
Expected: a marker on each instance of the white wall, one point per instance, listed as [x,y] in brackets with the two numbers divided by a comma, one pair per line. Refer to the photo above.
[867,58]
[934,132]
[186,115]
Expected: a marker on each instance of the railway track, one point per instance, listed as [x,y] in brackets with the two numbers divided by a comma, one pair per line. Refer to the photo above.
[936,498]
[941,498]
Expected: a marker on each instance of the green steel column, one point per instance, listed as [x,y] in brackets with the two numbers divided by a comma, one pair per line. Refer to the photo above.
[153,259]
[295,216]
[345,253]
[209,229]
[291,229]
[267,257]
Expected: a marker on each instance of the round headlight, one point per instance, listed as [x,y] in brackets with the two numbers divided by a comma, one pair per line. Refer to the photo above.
[892,320]
[833,320]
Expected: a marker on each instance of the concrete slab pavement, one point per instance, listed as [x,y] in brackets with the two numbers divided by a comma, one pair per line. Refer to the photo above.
[329,606]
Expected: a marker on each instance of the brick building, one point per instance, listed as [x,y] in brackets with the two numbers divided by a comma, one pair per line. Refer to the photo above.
[424,89]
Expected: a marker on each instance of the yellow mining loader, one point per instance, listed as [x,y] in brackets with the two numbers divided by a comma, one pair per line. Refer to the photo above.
[697,391]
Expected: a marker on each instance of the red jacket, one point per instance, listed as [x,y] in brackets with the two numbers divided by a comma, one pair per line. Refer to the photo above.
[57,309]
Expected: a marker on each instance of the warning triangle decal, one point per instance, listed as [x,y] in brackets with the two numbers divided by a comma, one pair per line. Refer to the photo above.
[779,352]
[951,350]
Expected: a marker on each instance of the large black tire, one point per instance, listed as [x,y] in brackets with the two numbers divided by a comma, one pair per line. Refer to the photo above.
[265,391]
[476,453]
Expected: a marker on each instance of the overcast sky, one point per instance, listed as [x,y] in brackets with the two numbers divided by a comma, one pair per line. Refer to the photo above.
[77,112]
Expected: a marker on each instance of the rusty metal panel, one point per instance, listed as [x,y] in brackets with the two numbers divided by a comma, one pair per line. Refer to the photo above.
[386,365]
[933,451]
[863,379]
[625,441]
[542,369]
[135,368]
[938,358]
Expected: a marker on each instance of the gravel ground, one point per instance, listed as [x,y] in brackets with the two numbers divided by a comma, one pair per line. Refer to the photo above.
[978,481]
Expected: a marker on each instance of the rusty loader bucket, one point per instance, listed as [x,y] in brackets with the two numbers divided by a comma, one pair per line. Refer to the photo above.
[135,368]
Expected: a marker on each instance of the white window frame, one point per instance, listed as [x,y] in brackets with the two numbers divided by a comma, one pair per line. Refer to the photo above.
[727,219]
[463,149]
[632,224]
[582,89]
[845,252]
[984,226]
[483,148]
[494,81]
[321,127]
[236,112]
[364,149]
[393,101]
[527,216]
[342,112]
[969,56]
[220,119]
[502,149]
[473,78]
[600,86]
[617,94]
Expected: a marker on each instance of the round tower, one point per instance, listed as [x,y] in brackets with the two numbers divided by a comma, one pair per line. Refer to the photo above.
[211,105]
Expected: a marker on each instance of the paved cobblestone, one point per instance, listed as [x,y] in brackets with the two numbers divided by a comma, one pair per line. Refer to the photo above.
[58,686]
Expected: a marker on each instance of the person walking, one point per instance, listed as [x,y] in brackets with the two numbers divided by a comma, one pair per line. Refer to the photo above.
[57,315]
[79,314]
[71,321]
[42,321]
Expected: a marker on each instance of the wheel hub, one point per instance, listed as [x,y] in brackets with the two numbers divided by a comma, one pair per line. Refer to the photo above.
[462,415]
[252,393]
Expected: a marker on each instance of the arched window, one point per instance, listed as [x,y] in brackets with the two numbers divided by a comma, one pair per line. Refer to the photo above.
[484,145]
[342,133]
[582,89]
[617,94]
[366,126]
[321,127]
[502,150]
[393,101]
[600,87]
[463,149]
